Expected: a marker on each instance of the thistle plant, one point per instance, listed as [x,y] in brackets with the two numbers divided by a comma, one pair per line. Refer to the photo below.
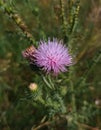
[52,57]
[56,85]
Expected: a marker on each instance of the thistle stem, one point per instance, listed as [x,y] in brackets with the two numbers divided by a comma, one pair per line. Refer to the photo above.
[17,19]
[63,20]
[73,100]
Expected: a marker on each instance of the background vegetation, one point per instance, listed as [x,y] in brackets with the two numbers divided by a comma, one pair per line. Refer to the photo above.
[44,19]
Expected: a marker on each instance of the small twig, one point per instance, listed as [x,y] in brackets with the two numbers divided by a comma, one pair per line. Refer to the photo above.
[42,125]
[88,127]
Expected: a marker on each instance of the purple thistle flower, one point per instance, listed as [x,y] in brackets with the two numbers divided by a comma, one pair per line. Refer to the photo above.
[53,56]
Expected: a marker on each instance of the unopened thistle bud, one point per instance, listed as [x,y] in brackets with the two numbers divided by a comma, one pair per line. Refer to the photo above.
[33,86]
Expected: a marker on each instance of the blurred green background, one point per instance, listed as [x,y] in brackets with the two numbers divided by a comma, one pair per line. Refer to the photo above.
[43,20]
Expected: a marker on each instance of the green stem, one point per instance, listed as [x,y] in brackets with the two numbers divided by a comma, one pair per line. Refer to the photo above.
[73,100]
[74,7]
[64,20]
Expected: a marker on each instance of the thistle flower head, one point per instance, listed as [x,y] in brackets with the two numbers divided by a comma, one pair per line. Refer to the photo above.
[53,56]
[29,53]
